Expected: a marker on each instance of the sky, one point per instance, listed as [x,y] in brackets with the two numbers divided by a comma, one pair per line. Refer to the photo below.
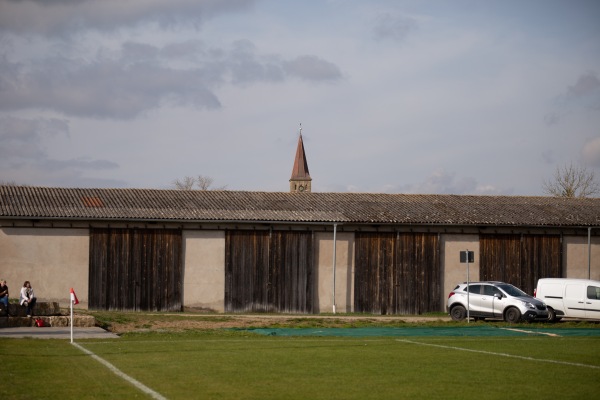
[393,96]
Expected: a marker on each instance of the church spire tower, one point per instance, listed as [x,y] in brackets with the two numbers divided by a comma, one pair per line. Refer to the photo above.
[300,180]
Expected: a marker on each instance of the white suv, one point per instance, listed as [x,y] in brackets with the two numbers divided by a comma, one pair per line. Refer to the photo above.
[497,300]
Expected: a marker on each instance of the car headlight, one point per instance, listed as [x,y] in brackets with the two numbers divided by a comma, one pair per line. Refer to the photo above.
[528,305]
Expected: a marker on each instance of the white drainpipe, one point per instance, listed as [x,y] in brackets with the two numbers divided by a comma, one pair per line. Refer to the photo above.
[590,252]
[334,251]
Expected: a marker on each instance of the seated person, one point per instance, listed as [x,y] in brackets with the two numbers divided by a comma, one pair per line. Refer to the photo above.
[4,294]
[27,297]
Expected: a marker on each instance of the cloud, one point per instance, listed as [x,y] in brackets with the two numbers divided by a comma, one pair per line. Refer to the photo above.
[57,18]
[24,160]
[549,157]
[20,138]
[246,66]
[312,68]
[443,182]
[387,26]
[584,94]
[591,152]
[587,84]
[552,118]
[140,77]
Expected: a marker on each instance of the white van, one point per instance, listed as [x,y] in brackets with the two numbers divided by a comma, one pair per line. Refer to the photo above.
[574,298]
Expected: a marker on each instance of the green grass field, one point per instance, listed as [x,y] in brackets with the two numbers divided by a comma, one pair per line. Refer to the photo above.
[224,364]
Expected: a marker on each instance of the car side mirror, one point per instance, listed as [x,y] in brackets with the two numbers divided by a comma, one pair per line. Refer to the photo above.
[498,296]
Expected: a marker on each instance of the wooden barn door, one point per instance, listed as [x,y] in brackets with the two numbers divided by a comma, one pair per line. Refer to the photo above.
[418,282]
[520,259]
[374,284]
[269,271]
[135,269]
[397,273]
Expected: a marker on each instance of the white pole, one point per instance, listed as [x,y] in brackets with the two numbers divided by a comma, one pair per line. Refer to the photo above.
[334,251]
[71,301]
[468,290]
[590,252]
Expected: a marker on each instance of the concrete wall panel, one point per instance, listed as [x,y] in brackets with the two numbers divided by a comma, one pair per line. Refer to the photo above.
[344,272]
[204,269]
[53,260]
[576,255]
[453,271]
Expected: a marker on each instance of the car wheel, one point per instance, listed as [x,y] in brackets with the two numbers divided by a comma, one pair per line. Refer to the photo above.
[512,315]
[458,313]
[551,315]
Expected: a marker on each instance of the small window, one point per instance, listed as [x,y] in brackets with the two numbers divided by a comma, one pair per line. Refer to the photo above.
[489,290]
[475,289]
[593,292]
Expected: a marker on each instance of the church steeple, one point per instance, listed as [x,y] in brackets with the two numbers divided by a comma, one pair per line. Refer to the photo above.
[300,180]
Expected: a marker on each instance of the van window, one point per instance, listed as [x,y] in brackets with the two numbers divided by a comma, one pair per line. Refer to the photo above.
[593,292]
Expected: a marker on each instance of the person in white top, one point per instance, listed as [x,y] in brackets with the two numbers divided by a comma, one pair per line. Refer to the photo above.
[27,297]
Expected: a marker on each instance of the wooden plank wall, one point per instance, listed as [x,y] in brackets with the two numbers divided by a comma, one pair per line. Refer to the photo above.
[269,271]
[397,273]
[520,259]
[136,269]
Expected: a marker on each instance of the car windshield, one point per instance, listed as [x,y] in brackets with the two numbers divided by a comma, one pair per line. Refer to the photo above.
[512,291]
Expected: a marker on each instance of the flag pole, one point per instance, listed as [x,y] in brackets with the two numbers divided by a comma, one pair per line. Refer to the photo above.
[74,301]
[71,301]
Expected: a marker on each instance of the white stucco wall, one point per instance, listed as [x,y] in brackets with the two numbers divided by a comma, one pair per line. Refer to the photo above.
[53,260]
[576,256]
[344,271]
[453,271]
[204,269]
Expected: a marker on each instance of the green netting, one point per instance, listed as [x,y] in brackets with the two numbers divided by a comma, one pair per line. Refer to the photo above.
[425,331]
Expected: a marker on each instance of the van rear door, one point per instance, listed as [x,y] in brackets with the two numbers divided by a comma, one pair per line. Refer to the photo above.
[592,302]
[574,300]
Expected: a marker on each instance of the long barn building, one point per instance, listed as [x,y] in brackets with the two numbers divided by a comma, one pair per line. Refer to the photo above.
[136,249]
[292,252]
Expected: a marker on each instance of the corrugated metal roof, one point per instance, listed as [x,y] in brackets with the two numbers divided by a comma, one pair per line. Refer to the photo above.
[359,208]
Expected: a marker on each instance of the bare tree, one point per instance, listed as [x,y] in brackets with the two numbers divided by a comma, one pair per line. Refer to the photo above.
[570,181]
[200,182]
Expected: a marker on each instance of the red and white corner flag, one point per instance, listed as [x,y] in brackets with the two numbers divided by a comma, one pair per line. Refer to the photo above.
[74,299]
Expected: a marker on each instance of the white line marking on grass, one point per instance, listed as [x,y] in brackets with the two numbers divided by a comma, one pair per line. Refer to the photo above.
[118,372]
[501,354]
[534,332]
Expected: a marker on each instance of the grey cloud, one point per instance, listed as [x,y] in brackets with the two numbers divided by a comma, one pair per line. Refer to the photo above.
[393,27]
[587,84]
[548,157]
[102,89]
[139,52]
[312,68]
[20,138]
[80,164]
[584,94]
[24,160]
[64,16]
[190,49]
[442,182]
[246,66]
[552,118]
[143,77]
